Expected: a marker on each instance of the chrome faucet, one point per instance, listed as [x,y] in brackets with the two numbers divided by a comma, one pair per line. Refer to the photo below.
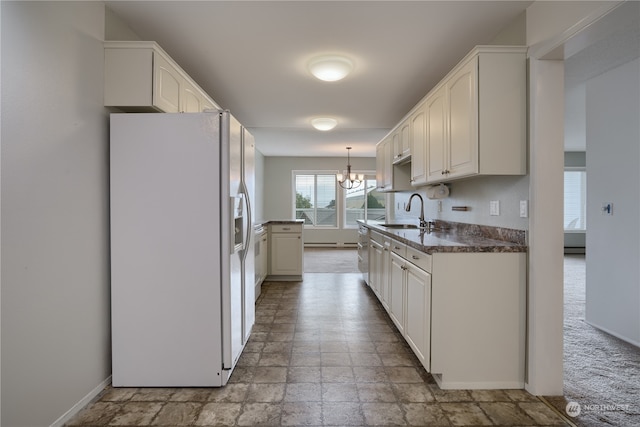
[423,223]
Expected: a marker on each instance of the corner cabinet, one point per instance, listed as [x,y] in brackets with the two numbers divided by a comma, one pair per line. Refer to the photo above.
[140,76]
[476,117]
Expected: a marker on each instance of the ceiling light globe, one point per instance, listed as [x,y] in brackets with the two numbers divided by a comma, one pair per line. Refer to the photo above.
[330,68]
[324,123]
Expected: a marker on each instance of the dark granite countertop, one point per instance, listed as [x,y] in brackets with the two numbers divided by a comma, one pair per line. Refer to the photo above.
[455,237]
[280,221]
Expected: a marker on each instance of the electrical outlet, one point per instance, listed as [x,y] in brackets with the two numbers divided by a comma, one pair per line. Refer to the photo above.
[439,205]
[524,208]
[494,207]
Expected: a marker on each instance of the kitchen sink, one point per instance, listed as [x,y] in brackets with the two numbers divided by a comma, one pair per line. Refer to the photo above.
[399,225]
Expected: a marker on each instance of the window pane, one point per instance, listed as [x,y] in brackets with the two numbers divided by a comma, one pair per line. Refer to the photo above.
[575,198]
[355,204]
[375,202]
[326,197]
[305,195]
[364,202]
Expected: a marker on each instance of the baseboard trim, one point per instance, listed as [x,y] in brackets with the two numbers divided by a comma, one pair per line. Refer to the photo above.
[613,333]
[331,245]
[81,404]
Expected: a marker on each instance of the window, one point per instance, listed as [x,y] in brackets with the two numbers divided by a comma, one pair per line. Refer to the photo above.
[575,200]
[315,198]
[364,202]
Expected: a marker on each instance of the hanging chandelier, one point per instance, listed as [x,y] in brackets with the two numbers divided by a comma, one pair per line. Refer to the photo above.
[348,180]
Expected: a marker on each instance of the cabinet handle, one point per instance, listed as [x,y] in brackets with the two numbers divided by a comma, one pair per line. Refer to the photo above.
[415,257]
[396,248]
[286,228]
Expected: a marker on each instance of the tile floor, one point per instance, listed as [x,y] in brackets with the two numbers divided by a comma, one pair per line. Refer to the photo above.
[323,353]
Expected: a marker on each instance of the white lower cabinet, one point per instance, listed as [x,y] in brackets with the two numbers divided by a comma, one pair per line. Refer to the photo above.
[462,314]
[397,284]
[286,251]
[410,307]
[418,313]
[379,266]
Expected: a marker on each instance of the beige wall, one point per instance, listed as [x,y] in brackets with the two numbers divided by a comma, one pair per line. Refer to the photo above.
[278,192]
[55,210]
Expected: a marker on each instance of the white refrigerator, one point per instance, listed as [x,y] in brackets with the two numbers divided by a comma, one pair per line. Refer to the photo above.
[182,253]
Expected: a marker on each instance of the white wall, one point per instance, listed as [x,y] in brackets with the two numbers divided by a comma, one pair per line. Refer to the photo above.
[613,156]
[55,219]
[278,191]
[260,187]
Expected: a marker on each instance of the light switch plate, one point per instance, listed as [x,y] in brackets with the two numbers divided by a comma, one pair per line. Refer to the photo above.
[524,208]
[494,207]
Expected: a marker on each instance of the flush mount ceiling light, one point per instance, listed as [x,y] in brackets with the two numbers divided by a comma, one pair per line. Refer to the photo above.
[324,123]
[330,68]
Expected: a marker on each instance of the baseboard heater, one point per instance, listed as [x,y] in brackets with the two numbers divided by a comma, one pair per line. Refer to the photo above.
[330,245]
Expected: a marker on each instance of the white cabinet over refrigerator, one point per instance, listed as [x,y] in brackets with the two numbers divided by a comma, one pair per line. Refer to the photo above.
[182,269]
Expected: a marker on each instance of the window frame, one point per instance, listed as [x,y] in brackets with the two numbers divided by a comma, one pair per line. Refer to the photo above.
[576,169]
[294,174]
[368,175]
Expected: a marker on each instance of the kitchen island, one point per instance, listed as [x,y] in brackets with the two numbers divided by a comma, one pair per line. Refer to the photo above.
[457,294]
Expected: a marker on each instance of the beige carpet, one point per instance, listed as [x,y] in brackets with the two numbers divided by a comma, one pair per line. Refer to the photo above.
[324,260]
[601,372]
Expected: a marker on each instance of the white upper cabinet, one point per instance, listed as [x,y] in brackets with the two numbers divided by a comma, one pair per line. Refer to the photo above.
[167,85]
[473,122]
[402,143]
[391,176]
[418,129]
[436,129]
[140,76]
[476,117]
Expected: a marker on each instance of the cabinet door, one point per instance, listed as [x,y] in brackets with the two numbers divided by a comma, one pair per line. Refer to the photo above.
[166,85]
[286,251]
[387,174]
[436,134]
[418,147]
[374,265]
[383,282]
[396,285]
[405,139]
[396,151]
[264,256]
[192,102]
[418,327]
[462,94]
[380,166]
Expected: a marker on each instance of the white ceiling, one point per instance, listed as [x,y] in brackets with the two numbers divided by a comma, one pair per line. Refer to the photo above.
[251,58]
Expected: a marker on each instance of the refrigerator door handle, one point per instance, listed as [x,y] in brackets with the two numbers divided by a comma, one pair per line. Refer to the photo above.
[249,222]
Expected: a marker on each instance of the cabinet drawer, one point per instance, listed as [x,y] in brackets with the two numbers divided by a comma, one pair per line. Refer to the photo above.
[377,237]
[399,248]
[286,228]
[420,259]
